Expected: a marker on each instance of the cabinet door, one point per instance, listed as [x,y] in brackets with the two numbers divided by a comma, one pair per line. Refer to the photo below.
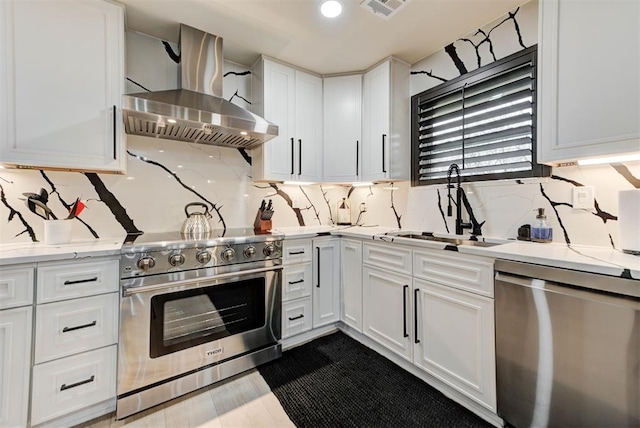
[455,340]
[15,365]
[375,137]
[342,128]
[387,308]
[326,281]
[308,129]
[587,106]
[351,256]
[279,108]
[61,82]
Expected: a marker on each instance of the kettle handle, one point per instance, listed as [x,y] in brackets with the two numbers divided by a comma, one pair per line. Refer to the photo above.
[193,204]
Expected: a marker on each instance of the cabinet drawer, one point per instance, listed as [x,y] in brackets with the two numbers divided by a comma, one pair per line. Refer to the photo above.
[296,251]
[66,280]
[16,286]
[68,384]
[465,272]
[66,328]
[391,257]
[296,281]
[296,317]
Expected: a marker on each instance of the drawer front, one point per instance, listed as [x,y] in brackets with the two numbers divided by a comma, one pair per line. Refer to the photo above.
[296,251]
[296,282]
[465,272]
[70,327]
[296,317]
[67,280]
[16,286]
[69,384]
[392,257]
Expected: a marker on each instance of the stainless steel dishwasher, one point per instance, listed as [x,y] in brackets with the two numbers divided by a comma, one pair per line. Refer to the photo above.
[567,347]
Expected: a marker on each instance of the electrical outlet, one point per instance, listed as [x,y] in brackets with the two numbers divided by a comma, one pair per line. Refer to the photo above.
[295,203]
[363,207]
[583,197]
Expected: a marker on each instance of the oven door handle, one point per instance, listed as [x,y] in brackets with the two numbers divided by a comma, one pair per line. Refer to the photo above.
[195,282]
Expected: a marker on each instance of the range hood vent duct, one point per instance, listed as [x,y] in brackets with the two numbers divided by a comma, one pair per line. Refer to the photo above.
[196,112]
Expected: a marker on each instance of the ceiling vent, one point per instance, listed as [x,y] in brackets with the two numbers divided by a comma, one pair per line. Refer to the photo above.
[384,9]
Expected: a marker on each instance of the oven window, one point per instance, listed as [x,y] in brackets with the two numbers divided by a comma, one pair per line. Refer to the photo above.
[189,318]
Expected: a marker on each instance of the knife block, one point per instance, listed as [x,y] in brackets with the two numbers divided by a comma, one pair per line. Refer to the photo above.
[260,225]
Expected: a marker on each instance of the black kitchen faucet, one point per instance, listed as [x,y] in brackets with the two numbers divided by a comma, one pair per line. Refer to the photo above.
[461,198]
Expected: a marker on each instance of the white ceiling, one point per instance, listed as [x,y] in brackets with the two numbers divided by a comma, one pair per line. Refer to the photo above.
[295,32]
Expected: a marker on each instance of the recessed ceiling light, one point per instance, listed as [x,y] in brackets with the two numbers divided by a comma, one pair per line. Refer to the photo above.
[331,8]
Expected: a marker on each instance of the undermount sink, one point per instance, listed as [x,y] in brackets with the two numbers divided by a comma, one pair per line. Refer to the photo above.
[453,241]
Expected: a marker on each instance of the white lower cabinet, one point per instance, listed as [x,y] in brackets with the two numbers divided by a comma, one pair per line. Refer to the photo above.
[73,383]
[15,365]
[73,326]
[296,317]
[326,281]
[387,308]
[454,340]
[351,268]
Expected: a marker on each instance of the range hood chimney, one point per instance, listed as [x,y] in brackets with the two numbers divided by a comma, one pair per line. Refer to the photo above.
[196,112]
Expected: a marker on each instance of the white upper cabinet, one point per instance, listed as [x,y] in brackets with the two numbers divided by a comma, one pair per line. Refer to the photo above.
[589,84]
[342,128]
[291,99]
[386,136]
[61,82]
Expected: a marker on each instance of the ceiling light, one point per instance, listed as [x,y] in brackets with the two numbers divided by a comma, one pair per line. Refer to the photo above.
[331,8]
[610,159]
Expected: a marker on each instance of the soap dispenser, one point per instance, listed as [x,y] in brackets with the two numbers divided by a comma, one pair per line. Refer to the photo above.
[344,212]
[540,231]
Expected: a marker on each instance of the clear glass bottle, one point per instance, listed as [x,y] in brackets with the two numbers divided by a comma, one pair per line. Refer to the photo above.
[540,230]
[344,212]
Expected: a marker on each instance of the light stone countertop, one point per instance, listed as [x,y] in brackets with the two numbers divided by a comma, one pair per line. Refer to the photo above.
[601,260]
[38,252]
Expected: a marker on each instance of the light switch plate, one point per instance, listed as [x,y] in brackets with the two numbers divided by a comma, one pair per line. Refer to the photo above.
[583,197]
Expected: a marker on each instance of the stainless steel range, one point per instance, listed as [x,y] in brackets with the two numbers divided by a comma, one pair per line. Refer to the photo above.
[195,311]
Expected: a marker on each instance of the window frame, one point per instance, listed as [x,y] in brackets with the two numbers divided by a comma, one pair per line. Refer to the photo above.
[470,78]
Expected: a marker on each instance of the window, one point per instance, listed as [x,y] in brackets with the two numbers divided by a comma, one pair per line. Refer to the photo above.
[484,121]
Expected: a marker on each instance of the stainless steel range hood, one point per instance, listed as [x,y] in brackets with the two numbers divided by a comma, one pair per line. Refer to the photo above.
[196,112]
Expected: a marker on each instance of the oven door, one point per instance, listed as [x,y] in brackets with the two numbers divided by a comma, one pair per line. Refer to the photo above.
[177,327]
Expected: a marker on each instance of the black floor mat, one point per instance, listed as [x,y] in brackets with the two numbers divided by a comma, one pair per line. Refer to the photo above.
[335,381]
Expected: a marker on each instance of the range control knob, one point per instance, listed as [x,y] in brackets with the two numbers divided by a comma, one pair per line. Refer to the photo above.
[176,259]
[203,257]
[228,254]
[269,250]
[146,263]
[250,251]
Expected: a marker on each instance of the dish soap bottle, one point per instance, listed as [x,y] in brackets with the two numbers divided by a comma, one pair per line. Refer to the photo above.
[344,212]
[540,231]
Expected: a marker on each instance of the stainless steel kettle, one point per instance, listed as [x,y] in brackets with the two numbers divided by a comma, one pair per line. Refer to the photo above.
[197,224]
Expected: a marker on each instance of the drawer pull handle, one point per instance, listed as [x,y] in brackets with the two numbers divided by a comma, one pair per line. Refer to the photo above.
[73,385]
[296,253]
[91,324]
[80,281]
[296,318]
[296,282]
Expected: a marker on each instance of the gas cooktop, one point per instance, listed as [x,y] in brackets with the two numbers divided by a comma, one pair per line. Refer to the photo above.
[178,240]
